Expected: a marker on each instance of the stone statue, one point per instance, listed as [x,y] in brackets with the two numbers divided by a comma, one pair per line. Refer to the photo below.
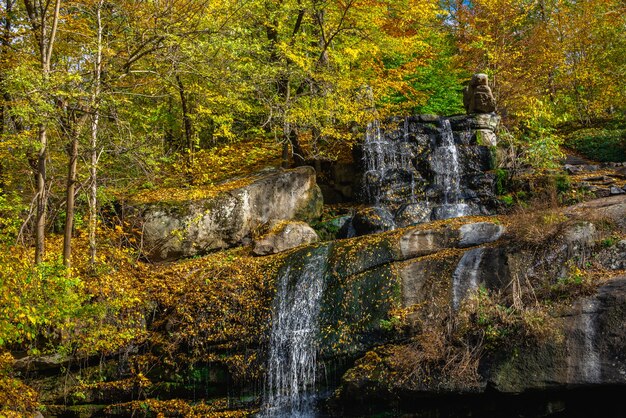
[477,97]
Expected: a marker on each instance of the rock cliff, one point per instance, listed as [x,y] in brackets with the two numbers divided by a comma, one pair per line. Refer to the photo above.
[171,230]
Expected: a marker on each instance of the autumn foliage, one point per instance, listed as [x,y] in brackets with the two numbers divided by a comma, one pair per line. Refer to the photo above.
[170,100]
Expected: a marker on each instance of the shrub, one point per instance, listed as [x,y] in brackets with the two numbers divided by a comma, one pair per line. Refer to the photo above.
[10,220]
[577,283]
[37,301]
[599,144]
[539,141]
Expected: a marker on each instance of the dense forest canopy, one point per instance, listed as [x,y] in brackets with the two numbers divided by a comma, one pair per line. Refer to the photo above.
[101,99]
[139,82]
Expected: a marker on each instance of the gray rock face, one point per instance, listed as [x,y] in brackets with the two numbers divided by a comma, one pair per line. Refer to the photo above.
[189,228]
[421,169]
[40,363]
[486,137]
[591,352]
[284,235]
[434,275]
[612,208]
[416,242]
[372,220]
[614,256]
[479,233]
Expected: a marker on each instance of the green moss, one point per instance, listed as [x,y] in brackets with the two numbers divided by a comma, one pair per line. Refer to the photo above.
[329,229]
[493,157]
[357,255]
[562,183]
[356,311]
[502,181]
[508,200]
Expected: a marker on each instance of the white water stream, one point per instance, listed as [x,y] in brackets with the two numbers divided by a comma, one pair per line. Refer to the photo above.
[445,164]
[465,276]
[292,361]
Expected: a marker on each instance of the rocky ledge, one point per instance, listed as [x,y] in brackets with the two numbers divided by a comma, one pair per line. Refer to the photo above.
[526,305]
[172,230]
[463,305]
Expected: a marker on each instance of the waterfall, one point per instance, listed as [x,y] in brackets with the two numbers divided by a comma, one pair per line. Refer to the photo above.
[465,277]
[293,342]
[590,358]
[387,162]
[445,164]
[414,172]
[377,156]
[584,365]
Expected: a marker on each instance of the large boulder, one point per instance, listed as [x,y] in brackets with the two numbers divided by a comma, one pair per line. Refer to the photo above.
[188,228]
[371,220]
[479,233]
[284,235]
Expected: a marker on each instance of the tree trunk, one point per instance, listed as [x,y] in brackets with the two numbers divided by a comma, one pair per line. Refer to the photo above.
[298,152]
[5,42]
[37,17]
[42,196]
[285,155]
[70,192]
[93,172]
[93,188]
[186,118]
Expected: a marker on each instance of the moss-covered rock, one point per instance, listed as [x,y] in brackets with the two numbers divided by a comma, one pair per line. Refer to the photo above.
[171,230]
[284,235]
[357,311]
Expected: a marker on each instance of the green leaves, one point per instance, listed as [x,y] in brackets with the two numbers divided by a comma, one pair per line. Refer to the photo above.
[37,301]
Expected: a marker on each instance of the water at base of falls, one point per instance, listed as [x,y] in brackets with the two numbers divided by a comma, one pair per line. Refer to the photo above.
[291,375]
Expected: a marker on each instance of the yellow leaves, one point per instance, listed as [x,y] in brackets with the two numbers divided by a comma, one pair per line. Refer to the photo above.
[16,398]
[212,171]
[218,408]
[352,53]
[222,298]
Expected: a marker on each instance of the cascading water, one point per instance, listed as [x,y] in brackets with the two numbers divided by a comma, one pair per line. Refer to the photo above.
[293,342]
[591,370]
[465,276]
[414,172]
[387,162]
[445,164]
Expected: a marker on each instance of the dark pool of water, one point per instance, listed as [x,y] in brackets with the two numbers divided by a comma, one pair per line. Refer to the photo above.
[601,402]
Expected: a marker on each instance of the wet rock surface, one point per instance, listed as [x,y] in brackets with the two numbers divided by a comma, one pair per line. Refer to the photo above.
[419,169]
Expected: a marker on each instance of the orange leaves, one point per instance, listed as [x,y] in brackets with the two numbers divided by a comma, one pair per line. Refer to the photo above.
[567,52]
[217,302]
